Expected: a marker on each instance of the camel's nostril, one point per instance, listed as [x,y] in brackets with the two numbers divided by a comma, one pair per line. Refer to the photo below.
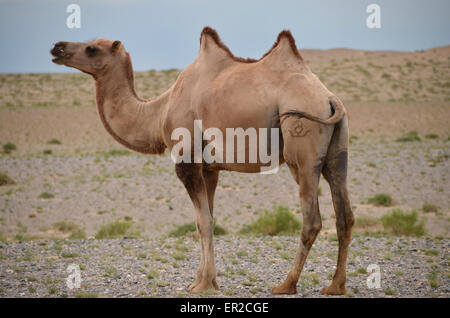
[59,49]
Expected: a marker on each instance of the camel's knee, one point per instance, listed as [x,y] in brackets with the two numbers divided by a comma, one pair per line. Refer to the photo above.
[310,232]
[344,225]
[346,221]
[205,226]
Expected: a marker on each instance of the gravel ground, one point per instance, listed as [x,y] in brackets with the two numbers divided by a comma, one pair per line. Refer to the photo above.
[247,267]
[92,190]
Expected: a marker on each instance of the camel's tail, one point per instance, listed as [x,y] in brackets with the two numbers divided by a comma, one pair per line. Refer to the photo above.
[336,105]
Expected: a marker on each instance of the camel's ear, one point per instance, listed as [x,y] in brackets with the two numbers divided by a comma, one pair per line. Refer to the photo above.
[115,47]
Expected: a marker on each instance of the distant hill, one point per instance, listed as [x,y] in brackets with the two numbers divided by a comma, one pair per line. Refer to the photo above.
[391,76]
[354,75]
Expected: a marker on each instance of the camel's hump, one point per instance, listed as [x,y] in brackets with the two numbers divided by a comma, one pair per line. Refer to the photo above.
[209,33]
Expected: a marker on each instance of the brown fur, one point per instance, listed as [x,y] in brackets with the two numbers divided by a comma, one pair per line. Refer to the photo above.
[225,91]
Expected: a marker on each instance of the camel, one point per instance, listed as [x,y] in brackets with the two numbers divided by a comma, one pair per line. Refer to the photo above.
[222,90]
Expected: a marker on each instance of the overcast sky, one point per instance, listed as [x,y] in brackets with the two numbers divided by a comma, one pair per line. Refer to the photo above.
[161,34]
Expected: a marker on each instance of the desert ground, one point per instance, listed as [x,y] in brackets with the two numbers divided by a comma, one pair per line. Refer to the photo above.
[65,180]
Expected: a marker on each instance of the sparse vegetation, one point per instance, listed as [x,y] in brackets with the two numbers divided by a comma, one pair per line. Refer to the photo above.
[390,292]
[46,195]
[54,141]
[76,233]
[9,147]
[117,229]
[363,222]
[381,199]
[116,152]
[191,228]
[69,254]
[152,274]
[439,158]
[399,222]
[5,179]
[409,136]
[431,136]
[85,294]
[429,207]
[279,221]
[433,279]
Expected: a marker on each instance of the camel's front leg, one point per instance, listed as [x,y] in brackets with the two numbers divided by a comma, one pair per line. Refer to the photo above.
[192,178]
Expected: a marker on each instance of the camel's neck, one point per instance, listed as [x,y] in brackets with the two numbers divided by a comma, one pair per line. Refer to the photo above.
[133,122]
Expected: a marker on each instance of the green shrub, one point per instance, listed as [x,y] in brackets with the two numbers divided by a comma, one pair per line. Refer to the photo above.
[79,234]
[362,222]
[117,229]
[85,294]
[117,152]
[219,230]
[191,228]
[280,221]
[46,195]
[69,254]
[70,227]
[398,223]
[390,292]
[183,229]
[54,141]
[65,227]
[5,179]
[409,136]
[381,199]
[428,207]
[433,279]
[8,147]
[431,136]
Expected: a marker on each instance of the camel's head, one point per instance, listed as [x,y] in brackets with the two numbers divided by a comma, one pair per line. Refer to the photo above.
[93,57]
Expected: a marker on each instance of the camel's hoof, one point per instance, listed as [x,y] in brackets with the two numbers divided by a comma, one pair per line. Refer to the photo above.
[193,285]
[285,288]
[334,290]
[203,286]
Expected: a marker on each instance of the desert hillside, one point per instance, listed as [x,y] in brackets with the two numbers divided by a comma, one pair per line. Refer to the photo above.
[354,75]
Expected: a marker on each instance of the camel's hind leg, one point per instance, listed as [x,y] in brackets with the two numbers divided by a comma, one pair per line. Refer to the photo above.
[192,178]
[307,175]
[335,172]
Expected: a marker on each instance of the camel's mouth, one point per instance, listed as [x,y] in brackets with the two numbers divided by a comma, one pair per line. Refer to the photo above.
[59,53]
[59,60]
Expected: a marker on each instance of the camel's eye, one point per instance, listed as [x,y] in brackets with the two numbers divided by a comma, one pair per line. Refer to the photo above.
[91,50]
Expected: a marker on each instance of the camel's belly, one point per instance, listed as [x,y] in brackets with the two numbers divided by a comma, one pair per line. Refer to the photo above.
[243,167]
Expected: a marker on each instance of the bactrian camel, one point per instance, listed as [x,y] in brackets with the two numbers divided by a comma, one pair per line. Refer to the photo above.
[224,91]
